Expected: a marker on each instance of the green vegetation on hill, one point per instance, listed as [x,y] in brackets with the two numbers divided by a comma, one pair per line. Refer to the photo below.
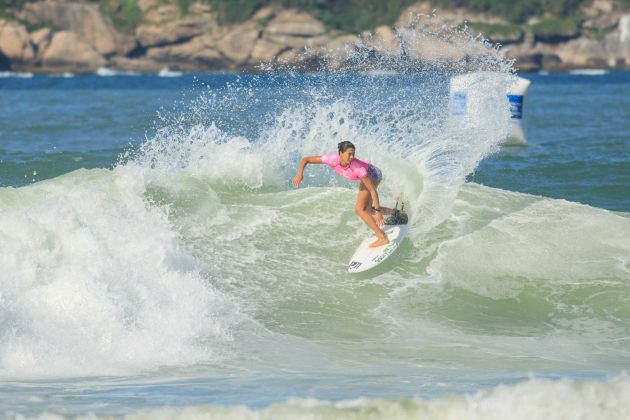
[517,11]
[125,14]
[351,16]
[498,30]
[355,16]
[12,4]
[8,6]
[235,11]
[184,5]
[554,29]
[7,9]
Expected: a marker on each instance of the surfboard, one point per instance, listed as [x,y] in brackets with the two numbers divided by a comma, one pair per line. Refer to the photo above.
[365,258]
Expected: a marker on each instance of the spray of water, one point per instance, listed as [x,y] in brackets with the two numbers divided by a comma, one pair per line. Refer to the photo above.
[390,96]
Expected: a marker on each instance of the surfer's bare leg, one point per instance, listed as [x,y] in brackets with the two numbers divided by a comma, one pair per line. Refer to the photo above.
[364,209]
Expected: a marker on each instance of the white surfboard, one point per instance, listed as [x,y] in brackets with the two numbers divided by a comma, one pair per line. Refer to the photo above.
[365,258]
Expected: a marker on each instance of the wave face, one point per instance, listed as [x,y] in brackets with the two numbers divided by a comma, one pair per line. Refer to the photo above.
[194,252]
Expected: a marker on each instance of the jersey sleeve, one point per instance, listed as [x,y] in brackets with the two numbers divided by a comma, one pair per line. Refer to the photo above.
[331,159]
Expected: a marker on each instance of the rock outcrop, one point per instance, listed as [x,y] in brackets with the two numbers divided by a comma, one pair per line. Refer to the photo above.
[83,19]
[170,33]
[69,52]
[15,45]
[266,51]
[198,53]
[295,29]
[624,29]
[78,37]
[238,44]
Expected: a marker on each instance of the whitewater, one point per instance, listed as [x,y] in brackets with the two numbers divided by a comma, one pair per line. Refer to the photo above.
[186,278]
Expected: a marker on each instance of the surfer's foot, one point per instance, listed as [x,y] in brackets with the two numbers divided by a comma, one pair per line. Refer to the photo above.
[379,242]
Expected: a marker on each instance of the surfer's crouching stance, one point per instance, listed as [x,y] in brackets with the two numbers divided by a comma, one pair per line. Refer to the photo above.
[347,166]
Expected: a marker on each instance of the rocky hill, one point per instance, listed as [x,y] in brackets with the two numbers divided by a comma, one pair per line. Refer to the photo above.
[71,36]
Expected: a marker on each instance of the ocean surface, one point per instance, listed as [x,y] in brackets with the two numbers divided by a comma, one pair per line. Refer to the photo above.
[156,263]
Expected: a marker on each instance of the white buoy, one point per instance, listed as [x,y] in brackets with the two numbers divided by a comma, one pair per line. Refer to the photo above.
[516,97]
[466,91]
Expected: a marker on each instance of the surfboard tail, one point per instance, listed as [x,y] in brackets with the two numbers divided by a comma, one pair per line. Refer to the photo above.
[398,217]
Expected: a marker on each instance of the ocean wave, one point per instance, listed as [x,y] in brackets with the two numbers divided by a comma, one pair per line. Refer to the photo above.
[95,281]
[196,238]
[101,265]
[534,399]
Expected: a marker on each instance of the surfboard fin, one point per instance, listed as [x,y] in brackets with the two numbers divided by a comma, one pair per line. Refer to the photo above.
[399,216]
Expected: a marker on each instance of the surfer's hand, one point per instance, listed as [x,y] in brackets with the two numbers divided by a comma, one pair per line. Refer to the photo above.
[378,217]
[297,180]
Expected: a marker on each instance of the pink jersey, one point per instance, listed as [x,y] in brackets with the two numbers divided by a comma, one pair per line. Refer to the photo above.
[357,169]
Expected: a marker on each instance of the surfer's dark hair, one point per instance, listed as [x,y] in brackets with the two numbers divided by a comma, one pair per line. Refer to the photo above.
[345,145]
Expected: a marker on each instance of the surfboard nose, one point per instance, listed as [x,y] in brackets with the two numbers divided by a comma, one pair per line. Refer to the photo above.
[366,258]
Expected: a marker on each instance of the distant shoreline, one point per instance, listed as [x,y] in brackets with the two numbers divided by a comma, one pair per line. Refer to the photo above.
[61,36]
[580,71]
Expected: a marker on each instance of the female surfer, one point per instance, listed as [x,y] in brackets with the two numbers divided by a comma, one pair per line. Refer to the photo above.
[346,165]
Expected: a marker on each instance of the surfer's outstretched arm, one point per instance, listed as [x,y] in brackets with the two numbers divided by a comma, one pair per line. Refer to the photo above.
[300,174]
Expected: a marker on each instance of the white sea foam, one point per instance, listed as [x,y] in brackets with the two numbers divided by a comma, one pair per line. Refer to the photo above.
[420,152]
[535,399]
[399,121]
[95,281]
[66,75]
[17,74]
[107,72]
[166,72]
[589,72]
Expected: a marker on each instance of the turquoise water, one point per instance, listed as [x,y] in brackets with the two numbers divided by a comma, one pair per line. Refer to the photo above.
[156,262]
[578,143]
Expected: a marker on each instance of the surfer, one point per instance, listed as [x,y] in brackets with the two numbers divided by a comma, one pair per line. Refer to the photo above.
[347,166]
